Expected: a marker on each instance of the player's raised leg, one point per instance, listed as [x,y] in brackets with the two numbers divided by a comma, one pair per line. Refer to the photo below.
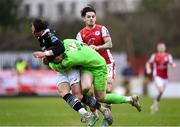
[86,83]
[100,82]
[160,84]
[73,101]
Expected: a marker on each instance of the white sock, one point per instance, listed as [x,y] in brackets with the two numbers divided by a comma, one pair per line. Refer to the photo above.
[129,99]
[82,111]
[156,102]
[96,113]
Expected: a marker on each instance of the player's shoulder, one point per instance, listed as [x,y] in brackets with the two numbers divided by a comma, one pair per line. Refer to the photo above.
[82,30]
[167,53]
[154,54]
[45,33]
[49,33]
[99,26]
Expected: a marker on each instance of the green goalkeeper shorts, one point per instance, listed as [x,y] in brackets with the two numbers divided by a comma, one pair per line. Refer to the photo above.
[99,77]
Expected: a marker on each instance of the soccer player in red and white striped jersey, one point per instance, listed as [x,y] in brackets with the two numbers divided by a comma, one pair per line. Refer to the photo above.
[160,61]
[98,38]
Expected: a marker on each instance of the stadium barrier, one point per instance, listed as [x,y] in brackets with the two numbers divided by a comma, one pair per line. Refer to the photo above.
[43,83]
[31,82]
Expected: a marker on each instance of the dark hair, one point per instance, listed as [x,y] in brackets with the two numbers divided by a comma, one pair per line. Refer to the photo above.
[89,8]
[40,24]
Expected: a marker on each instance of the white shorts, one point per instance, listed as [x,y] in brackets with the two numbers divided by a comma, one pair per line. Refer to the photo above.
[71,77]
[160,82]
[111,71]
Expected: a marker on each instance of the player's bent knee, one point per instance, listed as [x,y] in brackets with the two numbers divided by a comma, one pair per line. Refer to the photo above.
[76,90]
[99,96]
[161,89]
[85,91]
[85,88]
[161,92]
[109,87]
[86,82]
[109,90]
[63,89]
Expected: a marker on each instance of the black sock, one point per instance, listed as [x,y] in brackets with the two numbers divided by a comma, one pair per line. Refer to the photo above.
[90,101]
[159,97]
[73,101]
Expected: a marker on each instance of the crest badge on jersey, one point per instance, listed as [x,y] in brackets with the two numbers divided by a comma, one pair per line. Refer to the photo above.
[97,33]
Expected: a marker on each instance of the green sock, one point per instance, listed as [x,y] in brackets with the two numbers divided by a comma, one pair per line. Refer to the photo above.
[113,98]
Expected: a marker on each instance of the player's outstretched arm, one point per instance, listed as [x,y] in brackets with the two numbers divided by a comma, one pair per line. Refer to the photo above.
[42,54]
[148,68]
[173,65]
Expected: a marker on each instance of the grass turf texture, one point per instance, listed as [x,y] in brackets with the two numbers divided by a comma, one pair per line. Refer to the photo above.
[52,111]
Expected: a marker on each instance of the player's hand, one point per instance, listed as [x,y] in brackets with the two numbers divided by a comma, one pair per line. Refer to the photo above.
[94,47]
[57,59]
[39,54]
[174,65]
[45,61]
[148,71]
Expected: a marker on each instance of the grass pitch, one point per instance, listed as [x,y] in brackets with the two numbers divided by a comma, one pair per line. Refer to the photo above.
[53,111]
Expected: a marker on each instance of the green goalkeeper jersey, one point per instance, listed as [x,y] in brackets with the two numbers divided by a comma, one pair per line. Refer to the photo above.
[78,54]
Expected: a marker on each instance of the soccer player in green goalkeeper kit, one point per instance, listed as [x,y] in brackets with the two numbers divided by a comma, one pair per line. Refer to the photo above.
[78,54]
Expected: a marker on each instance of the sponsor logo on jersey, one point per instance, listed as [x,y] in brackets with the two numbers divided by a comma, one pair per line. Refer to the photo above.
[97,33]
[91,41]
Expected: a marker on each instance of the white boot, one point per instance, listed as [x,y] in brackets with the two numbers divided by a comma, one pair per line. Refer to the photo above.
[154,107]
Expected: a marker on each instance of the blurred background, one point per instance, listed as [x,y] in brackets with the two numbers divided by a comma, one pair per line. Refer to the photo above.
[135,26]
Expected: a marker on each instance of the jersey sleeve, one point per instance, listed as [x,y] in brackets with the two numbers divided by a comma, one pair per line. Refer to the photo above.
[59,67]
[56,67]
[170,58]
[105,32]
[58,49]
[78,37]
[57,45]
[151,60]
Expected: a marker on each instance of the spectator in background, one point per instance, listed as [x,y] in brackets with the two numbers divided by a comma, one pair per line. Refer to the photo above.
[21,66]
[33,64]
[6,66]
[160,60]
[127,74]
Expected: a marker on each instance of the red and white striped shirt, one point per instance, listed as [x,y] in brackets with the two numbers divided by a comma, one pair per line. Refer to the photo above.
[160,64]
[95,37]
